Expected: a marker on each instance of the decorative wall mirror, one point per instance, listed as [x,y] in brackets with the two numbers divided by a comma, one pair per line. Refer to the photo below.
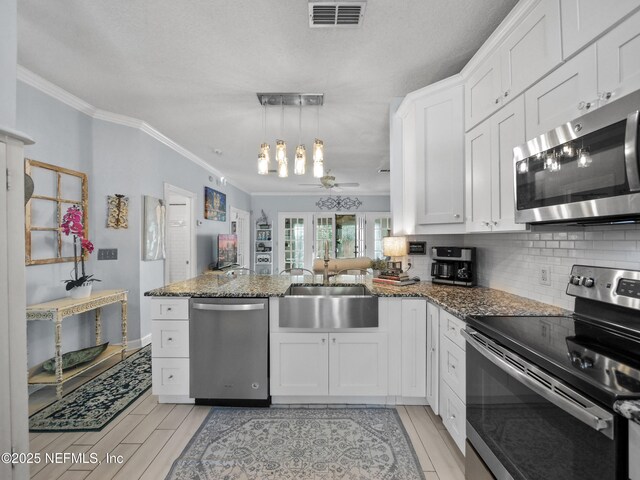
[55,189]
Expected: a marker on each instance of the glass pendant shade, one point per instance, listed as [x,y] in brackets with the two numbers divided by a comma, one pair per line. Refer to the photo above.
[318,158]
[281,151]
[300,164]
[263,159]
[283,168]
[318,169]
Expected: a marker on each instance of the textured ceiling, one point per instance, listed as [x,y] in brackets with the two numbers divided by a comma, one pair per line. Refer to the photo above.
[192,68]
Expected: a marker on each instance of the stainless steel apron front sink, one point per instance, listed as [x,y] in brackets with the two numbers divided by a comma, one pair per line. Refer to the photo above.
[333,306]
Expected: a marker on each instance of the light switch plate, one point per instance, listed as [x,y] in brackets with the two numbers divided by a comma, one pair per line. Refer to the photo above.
[107,254]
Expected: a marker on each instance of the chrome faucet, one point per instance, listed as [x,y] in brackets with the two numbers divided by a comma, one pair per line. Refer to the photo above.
[327,258]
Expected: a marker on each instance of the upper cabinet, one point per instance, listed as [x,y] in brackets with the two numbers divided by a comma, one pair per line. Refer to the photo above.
[531,50]
[585,20]
[619,59]
[428,172]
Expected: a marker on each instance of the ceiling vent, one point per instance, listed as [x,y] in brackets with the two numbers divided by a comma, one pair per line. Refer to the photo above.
[336,14]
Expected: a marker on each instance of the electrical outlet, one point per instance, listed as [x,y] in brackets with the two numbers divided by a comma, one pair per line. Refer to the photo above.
[544,275]
[107,254]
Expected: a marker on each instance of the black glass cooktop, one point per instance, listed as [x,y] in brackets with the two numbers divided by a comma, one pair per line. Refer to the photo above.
[601,362]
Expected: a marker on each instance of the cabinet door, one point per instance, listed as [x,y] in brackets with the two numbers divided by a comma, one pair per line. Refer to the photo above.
[567,93]
[414,348]
[482,92]
[619,59]
[532,49]
[358,364]
[299,364]
[507,132]
[478,178]
[440,157]
[452,366]
[454,416]
[433,377]
[585,20]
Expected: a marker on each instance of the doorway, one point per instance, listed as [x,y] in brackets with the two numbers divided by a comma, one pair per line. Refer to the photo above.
[180,263]
[240,226]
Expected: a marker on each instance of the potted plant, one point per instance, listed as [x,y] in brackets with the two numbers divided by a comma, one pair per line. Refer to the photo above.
[80,284]
[378,265]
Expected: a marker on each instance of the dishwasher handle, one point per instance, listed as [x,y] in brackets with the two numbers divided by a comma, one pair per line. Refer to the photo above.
[228,306]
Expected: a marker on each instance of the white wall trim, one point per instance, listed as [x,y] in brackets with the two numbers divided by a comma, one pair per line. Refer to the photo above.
[54,91]
[320,193]
[139,343]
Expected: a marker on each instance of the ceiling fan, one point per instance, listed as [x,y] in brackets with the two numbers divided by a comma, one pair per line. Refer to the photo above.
[329,181]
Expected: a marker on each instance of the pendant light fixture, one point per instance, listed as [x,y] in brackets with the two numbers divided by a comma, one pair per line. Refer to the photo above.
[281,148]
[300,163]
[300,158]
[264,156]
[318,153]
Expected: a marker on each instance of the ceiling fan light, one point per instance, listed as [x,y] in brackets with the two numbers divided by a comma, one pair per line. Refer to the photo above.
[318,150]
[281,151]
[300,164]
[283,168]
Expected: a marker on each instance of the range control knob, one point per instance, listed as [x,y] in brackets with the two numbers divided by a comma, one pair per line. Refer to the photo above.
[575,279]
[588,282]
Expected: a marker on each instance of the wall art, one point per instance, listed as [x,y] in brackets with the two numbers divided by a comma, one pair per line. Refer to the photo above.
[154,228]
[338,203]
[117,211]
[215,205]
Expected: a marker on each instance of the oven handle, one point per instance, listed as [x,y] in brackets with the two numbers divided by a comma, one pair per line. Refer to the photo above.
[555,392]
[631,152]
[228,306]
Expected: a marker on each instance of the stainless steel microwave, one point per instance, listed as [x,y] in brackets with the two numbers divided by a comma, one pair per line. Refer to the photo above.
[583,171]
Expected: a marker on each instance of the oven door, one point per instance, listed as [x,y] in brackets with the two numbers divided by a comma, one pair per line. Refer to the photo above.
[527,425]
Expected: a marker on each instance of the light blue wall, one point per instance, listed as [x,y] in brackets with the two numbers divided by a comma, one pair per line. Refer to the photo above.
[117,159]
[273,204]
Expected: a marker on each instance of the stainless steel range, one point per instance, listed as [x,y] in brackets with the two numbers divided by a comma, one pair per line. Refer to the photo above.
[541,390]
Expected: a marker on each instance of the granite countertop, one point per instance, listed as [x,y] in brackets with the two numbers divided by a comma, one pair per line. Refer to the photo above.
[460,301]
[629,409]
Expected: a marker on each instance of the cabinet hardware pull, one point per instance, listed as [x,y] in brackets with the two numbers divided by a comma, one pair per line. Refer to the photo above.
[456,215]
[170,339]
[169,309]
[324,340]
[495,224]
[333,340]
[507,92]
[497,100]
[584,105]
[604,95]
[170,377]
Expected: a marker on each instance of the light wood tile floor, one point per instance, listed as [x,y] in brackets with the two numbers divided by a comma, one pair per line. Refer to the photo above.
[149,436]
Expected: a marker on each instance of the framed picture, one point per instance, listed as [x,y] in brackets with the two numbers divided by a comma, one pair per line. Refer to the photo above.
[215,205]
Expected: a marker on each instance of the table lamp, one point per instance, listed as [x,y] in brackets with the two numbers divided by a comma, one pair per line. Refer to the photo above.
[394,247]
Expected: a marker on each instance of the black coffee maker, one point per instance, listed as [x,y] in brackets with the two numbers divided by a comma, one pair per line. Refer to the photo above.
[454,266]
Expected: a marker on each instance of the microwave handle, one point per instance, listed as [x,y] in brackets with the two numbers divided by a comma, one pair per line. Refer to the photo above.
[631,158]
[552,390]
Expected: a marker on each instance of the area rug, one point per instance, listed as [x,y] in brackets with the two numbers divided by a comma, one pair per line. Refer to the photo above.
[301,444]
[93,405]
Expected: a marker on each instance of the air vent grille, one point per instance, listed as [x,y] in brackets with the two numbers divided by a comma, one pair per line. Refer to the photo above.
[336,14]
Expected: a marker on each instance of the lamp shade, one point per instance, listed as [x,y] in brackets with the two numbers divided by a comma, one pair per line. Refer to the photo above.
[394,246]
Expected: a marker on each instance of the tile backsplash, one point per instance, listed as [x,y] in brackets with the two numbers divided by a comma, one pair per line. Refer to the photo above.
[512,261]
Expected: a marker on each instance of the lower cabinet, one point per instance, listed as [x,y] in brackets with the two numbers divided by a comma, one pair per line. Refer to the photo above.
[328,364]
[453,413]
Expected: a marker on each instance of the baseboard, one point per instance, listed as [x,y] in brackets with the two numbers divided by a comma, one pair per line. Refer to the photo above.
[139,343]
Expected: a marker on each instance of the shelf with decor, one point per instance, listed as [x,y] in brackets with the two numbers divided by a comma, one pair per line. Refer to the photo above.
[263,255]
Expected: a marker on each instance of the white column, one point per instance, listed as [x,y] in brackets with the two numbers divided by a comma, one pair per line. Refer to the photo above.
[8,61]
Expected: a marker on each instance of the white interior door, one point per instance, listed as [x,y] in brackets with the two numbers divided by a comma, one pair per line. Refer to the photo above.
[180,263]
[240,218]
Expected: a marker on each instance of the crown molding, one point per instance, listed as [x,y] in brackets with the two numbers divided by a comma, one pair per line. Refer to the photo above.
[54,91]
[440,86]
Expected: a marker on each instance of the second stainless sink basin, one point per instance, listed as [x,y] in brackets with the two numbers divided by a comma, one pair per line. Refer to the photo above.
[328,307]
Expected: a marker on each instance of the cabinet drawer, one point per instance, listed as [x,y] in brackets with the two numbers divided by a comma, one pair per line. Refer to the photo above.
[170,376]
[170,308]
[170,338]
[453,413]
[450,327]
[452,366]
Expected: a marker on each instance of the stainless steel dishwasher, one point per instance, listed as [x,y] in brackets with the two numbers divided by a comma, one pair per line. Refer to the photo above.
[228,351]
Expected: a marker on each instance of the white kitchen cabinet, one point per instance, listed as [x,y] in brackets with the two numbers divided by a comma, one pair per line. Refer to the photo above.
[433,375]
[299,363]
[454,416]
[170,349]
[585,20]
[440,159]
[357,364]
[619,58]
[414,348]
[452,366]
[565,94]
[634,448]
[483,91]
[525,55]
[489,170]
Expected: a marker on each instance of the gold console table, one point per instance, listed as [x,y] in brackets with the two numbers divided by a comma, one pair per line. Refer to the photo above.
[56,311]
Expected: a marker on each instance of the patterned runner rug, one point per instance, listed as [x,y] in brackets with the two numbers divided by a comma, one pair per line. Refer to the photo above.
[301,444]
[95,403]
